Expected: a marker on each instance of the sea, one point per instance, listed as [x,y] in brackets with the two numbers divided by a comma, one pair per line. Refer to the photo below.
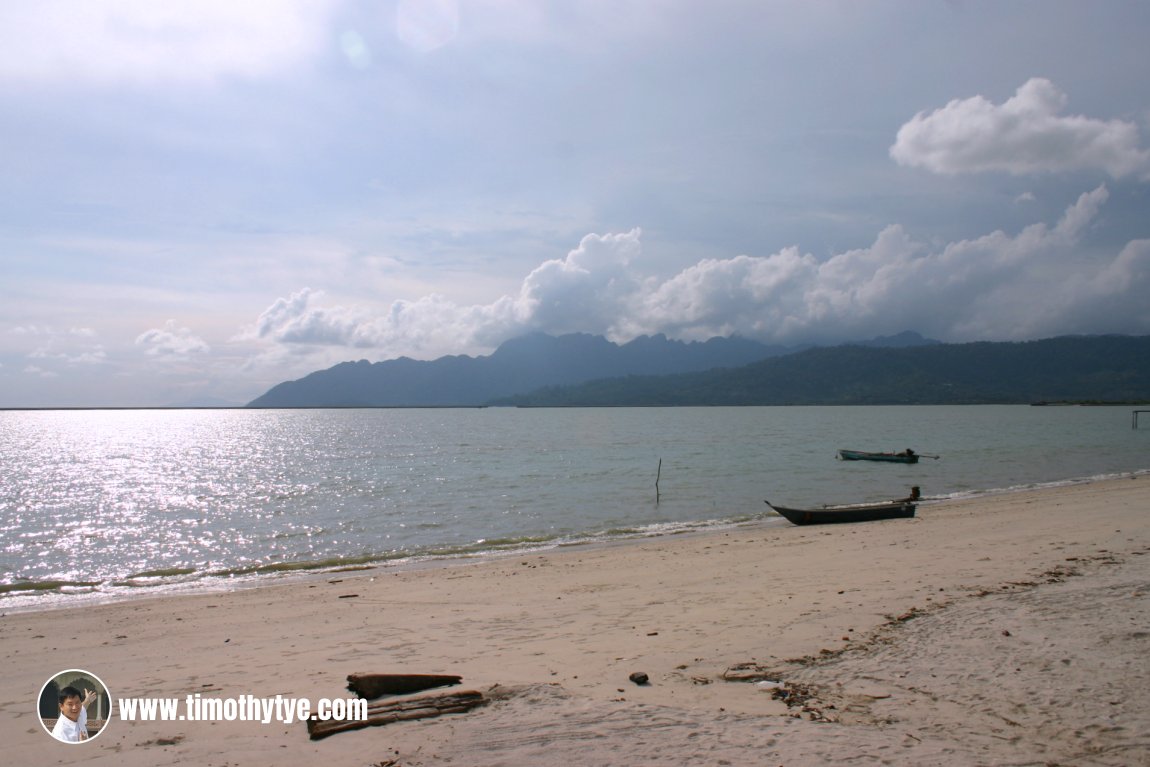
[101,505]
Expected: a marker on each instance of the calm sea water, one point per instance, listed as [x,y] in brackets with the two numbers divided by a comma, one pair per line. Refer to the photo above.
[97,504]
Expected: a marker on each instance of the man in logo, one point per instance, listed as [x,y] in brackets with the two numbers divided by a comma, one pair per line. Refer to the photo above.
[72,726]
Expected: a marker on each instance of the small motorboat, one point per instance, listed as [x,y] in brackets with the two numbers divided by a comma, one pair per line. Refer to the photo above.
[906,456]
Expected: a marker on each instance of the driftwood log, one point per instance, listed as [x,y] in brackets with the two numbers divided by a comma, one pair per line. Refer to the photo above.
[379,714]
[374,685]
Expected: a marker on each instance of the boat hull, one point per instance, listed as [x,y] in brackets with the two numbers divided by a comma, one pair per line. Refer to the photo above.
[858,455]
[841,514]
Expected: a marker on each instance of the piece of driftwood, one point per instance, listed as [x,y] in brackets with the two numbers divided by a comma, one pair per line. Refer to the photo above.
[379,714]
[374,685]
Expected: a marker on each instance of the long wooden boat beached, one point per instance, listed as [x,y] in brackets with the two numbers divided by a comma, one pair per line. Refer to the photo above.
[906,456]
[863,512]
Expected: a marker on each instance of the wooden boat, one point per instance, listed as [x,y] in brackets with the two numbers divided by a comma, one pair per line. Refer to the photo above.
[906,456]
[862,512]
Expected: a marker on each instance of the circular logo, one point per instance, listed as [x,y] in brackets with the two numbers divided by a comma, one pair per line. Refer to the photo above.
[74,706]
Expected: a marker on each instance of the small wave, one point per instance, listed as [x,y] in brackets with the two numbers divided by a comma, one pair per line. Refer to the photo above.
[30,587]
[271,568]
[164,572]
[959,495]
[182,578]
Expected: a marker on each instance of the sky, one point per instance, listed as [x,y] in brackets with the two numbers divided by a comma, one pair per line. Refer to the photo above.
[199,200]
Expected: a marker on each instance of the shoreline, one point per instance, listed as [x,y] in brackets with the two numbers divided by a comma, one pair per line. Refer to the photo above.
[16,601]
[552,636]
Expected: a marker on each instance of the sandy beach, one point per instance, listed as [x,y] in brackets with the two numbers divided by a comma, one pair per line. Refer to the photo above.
[1003,630]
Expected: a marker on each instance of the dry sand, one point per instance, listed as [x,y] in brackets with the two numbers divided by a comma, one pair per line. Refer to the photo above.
[1006,630]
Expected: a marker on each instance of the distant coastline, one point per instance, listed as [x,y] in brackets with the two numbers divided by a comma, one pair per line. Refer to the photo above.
[1091,403]
[579,370]
[82,408]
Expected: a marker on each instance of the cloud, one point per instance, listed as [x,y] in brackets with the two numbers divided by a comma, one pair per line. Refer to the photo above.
[989,287]
[1041,281]
[94,356]
[70,346]
[747,295]
[1024,135]
[297,320]
[144,41]
[172,342]
[429,325]
[586,291]
[583,292]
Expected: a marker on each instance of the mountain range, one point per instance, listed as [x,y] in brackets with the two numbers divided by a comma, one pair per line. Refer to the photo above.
[518,366]
[539,370]
[1101,369]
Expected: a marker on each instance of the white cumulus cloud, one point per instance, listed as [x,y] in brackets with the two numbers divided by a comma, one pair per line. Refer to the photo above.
[171,341]
[588,291]
[1026,134]
[298,320]
[429,323]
